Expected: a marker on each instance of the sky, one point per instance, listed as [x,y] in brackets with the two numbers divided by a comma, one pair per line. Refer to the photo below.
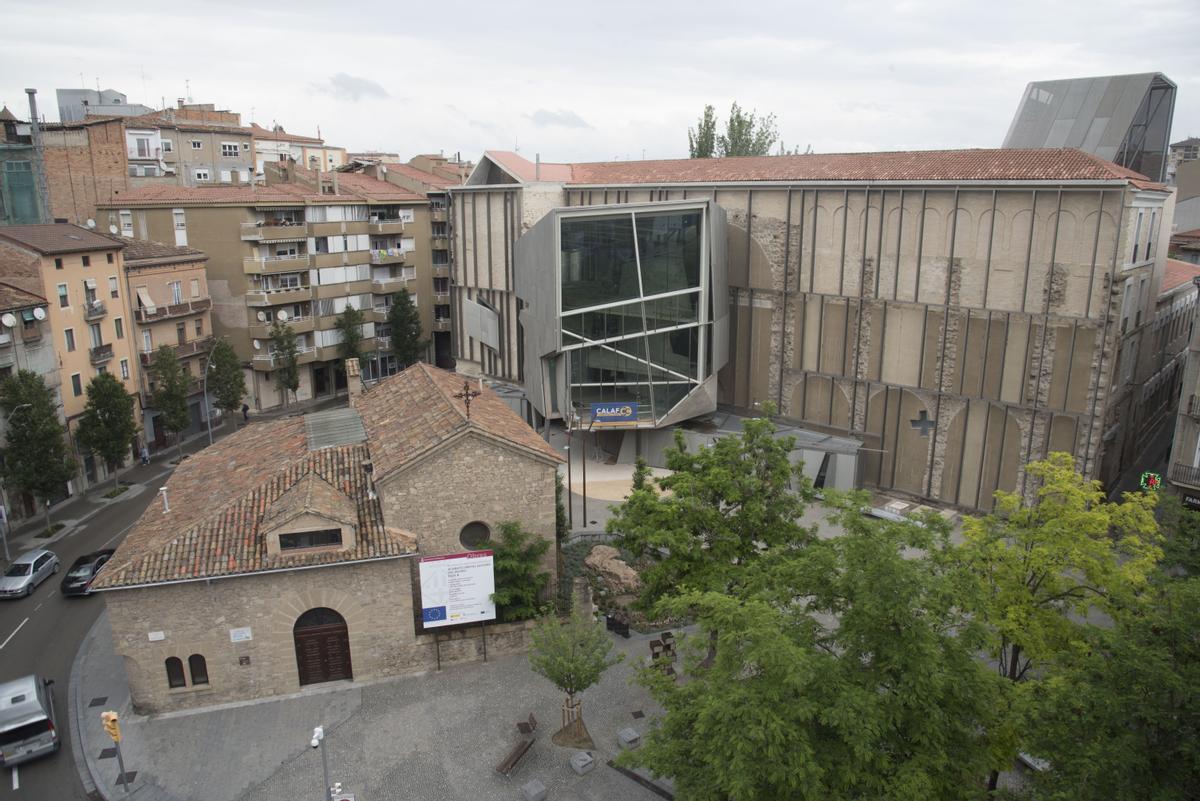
[599,81]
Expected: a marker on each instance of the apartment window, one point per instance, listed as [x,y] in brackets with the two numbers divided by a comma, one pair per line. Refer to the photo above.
[109,258]
[147,342]
[199,326]
[197,144]
[180,219]
[58,264]
[310,539]
[176,288]
[69,336]
[245,145]
[142,146]
[167,145]
[175,677]
[1150,234]
[125,369]
[101,370]
[87,261]
[96,336]
[198,668]
[181,332]
[119,327]
[1137,236]
[63,300]
[112,286]
[76,385]
[195,287]
[229,149]
[202,175]
[126,223]
[150,171]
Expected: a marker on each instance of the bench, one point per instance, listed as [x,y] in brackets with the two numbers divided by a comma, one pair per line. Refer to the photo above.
[527,729]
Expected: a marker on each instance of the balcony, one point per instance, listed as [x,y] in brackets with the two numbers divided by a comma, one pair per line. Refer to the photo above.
[194,306]
[341,290]
[439,243]
[269,361]
[382,227]
[441,271]
[201,345]
[387,256]
[439,215]
[337,228]
[270,297]
[301,325]
[441,324]
[275,264]
[264,232]
[383,343]
[101,353]
[1193,406]
[441,297]
[390,284]
[94,310]
[6,337]
[1185,474]
[339,259]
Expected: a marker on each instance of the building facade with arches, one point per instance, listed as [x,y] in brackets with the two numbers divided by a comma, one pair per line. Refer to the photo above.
[286,555]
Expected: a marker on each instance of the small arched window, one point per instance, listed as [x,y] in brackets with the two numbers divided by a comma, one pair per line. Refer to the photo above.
[175,672]
[198,668]
[474,535]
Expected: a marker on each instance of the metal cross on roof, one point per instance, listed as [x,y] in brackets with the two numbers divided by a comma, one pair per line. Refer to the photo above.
[923,423]
[467,395]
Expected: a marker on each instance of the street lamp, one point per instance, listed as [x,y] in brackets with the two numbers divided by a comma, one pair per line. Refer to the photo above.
[317,739]
[207,410]
[4,536]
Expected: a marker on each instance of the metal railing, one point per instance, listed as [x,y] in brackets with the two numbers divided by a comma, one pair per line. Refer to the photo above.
[94,310]
[101,353]
[172,310]
[1185,474]
[1193,406]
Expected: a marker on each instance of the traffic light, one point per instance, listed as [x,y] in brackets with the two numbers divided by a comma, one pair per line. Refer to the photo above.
[111,725]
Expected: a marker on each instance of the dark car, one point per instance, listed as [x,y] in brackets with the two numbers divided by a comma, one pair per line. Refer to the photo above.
[78,580]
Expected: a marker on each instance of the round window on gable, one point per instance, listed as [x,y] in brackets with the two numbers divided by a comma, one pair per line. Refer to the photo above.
[474,536]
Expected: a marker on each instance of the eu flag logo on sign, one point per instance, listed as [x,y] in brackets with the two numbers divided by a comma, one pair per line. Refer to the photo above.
[432,614]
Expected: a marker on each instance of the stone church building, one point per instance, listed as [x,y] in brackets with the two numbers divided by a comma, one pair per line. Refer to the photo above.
[286,554]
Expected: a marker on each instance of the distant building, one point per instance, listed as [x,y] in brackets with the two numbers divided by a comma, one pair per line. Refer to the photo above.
[1185,246]
[1125,119]
[1182,151]
[20,202]
[278,146]
[1183,472]
[76,104]
[192,145]
[373,157]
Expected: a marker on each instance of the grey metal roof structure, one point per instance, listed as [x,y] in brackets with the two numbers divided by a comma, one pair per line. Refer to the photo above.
[1125,119]
[334,427]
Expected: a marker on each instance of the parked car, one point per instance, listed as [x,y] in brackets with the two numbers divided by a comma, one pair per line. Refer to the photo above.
[27,725]
[26,572]
[78,580]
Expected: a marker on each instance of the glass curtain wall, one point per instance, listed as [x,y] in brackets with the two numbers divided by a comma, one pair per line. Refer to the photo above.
[634,314]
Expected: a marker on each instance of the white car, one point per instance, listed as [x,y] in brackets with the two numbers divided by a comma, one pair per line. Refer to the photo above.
[26,572]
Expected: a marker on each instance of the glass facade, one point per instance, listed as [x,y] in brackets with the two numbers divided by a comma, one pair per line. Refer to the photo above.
[633,309]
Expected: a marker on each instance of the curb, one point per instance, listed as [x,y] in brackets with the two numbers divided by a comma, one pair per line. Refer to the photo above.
[82,768]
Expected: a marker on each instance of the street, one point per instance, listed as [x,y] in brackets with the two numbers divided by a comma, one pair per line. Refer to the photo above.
[40,634]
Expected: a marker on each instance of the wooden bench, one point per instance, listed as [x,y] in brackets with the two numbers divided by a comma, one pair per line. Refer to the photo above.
[527,729]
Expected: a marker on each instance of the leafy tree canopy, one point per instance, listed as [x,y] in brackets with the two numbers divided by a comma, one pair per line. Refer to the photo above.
[171,386]
[573,654]
[287,356]
[520,580]
[405,322]
[746,134]
[108,426]
[226,381]
[35,456]
[349,324]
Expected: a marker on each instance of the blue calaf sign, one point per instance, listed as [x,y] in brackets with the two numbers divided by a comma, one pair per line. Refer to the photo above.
[614,414]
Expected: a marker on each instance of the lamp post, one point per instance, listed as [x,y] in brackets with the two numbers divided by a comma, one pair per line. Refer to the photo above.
[4,521]
[317,742]
[207,411]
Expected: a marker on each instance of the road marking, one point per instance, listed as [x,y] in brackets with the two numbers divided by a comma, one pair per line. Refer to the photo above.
[16,779]
[118,534]
[2,644]
[39,606]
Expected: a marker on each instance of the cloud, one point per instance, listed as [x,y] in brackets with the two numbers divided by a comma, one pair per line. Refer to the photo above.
[351,87]
[564,117]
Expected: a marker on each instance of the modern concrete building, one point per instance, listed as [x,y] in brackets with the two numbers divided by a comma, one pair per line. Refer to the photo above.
[191,145]
[1125,119]
[88,314]
[1181,152]
[299,251]
[278,146]
[168,286]
[76,104]
[332,512]
[960,312]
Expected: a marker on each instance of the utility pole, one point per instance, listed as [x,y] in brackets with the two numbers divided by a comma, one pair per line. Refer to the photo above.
[39,161]
[112,725]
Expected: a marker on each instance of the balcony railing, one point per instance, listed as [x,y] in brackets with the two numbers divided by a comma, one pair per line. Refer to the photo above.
[1185,474]
[1193,406]
[441,297]
[6,338]
[269,361]
[265,231]
[441,324]
[193,306]
[440,243]
[200,345]
[94,310]
[386,226]
[101,353]
[271,297]
[438,215]
[387,255]
[392,283]
[275,264]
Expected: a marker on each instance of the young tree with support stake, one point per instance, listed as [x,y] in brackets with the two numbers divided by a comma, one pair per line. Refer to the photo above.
[226,381]
[573,654]
[171,385]
[35,455]
[405,322]
[108,426]
[287,359]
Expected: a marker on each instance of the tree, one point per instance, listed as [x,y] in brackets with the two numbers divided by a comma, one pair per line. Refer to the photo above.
[517,559]
[226,381]
[573,654]
[405,322]
[562,526]
[171,386]
[845,670]
[35,457]
[287,359]
[703,139]
[1041,568]
[1181,535]
[349,324]
[108,427]
[1120,716]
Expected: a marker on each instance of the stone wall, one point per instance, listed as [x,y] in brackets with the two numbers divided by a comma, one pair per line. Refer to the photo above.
[85,166]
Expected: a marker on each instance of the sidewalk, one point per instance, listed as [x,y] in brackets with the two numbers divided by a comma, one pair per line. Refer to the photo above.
[435,735]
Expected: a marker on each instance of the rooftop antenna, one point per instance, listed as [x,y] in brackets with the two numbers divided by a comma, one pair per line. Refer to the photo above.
[187,86]
[82,82]
[97,83]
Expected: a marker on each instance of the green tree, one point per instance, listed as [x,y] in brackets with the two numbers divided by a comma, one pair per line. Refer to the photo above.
[405,323]
[562,526]
[702,140]
[349,324]
[1120,715]
[747,134]
[1180,528]
[1042,567]
[169,398]
[517,559]
[226,381]
[845,670]
[287,359]
[572,654]
[35,456]
[107,427]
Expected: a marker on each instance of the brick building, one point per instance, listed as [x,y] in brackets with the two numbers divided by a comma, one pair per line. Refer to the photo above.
[286,554]
[86,165]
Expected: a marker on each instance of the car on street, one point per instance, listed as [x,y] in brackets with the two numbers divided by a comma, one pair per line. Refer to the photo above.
[78,580]
[26,572]
[27,725]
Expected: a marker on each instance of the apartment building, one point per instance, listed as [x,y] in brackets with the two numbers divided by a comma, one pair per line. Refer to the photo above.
[20,200]
[276,145]
[190,146]
[80,272]
[1183,471]
[297,250]
[75,105]
[168,290]
[960,312]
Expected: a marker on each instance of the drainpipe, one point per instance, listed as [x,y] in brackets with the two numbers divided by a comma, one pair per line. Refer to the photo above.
[39,163]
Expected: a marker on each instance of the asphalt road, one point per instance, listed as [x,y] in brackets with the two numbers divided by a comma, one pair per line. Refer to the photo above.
[41,634]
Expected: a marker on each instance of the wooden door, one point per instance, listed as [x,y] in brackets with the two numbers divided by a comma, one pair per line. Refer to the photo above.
[322,649]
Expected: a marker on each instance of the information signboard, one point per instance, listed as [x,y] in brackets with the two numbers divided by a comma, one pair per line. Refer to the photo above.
[457,589]
[614,414]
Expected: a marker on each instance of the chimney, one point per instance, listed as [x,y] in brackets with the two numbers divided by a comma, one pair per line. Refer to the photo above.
[354,382]
[335,188]
[537,167]
[166,504]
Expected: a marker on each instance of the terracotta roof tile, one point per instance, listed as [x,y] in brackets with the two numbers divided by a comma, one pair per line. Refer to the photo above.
[281,135]
[12,297]
[54,238]
[1178,273]
[359,187]
[145,250]
[412,172]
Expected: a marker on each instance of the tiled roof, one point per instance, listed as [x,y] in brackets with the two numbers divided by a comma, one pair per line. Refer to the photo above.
[54,238]
[7,115]
[373,188]
[145,250]
[12,297]
[21,268]
[161,119]
[1178,273]
[1000,164]
[1191,141]
[412,172]
[363,189]
[281,135]
[411,412]
[220,500]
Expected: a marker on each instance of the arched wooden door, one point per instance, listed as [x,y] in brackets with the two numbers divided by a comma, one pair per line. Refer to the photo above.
[322,646]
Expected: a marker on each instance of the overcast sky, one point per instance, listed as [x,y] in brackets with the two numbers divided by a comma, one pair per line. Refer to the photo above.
[575,81]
